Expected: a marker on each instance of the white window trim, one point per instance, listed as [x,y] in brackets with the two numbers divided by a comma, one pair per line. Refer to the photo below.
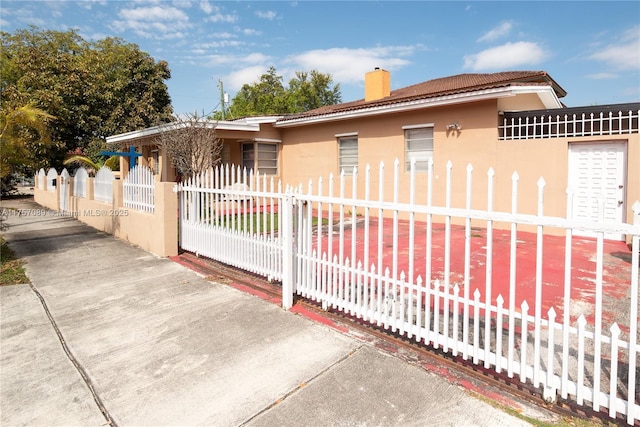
[256,152]
[345,135]
[411,127]
[339,137]
[424,125]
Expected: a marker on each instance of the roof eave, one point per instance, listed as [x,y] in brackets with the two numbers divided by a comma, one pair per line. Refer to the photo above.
[546,94]
[155,130]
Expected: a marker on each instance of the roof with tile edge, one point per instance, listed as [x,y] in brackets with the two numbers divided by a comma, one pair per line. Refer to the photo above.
[444,86]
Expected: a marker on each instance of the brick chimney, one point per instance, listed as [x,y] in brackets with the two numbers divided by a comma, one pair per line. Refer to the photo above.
[377,84]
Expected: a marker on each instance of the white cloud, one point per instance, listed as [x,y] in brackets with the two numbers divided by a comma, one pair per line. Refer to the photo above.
[507,56]
[25,15]
[153,22]
[495,33]
[602,76]
[349,65]
[624,55]
[249,32]
[248,75]
[206,7]
[88,4]
[223,35]
[203,47]
[268,14]
[252,59]
[155,13]
[218,16]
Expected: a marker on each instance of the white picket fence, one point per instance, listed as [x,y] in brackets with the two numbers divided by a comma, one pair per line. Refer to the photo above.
[41,178]
[52,177]
[561,356]
[347,253]
[233,223]
[139,189]
[103,185]
[80,182]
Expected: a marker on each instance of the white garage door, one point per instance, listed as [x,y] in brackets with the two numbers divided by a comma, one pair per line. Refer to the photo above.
[594,170]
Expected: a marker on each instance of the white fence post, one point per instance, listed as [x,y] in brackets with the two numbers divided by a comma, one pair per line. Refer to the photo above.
[287,252]
[633,314]
[65,181]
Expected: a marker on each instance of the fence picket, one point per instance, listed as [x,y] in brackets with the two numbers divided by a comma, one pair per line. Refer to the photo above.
[467,264]
[538,298]
[513,245]
[613,376]
[488,272]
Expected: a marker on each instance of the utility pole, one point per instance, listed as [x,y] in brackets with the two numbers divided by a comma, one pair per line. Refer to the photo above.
[222,98]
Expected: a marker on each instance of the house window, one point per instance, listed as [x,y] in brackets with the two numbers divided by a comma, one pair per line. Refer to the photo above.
[347,153]
[261,157]
[156,161]
[418,146]
[225,154]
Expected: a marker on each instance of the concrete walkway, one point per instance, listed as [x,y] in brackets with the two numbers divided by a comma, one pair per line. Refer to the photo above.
[109,334]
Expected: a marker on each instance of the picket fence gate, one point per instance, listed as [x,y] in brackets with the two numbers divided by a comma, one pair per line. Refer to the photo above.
[138,189]
[348,254]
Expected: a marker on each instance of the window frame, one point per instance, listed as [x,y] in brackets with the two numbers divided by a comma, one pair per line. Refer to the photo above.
[225,154]
[256,151]
[351,138]
[422,155]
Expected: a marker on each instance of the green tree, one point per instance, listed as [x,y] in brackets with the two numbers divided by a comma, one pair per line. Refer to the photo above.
[24,133]
[24,139]
[264,97]
[306,91]
[93,88]
[112,163]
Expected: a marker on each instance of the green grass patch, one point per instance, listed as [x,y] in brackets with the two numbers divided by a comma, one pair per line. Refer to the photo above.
[12,268]
[258,222]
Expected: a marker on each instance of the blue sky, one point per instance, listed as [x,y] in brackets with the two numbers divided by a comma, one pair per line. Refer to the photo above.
[591,48]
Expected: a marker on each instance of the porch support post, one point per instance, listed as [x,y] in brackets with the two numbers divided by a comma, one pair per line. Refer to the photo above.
[287,251]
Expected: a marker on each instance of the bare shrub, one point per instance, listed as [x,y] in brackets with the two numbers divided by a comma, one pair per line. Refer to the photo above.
[191,144]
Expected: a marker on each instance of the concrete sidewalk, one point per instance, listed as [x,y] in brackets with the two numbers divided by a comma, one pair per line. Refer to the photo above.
[108,333]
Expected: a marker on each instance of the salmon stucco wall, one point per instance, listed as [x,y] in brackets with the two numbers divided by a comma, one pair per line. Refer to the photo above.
[312,151]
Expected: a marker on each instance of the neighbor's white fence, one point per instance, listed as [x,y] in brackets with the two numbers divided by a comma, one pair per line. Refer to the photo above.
[570,125]
[65,184]
[41,178]
[343,252]
[138,189]
[52,176]
[80,182]
[231,216]
[103,185]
